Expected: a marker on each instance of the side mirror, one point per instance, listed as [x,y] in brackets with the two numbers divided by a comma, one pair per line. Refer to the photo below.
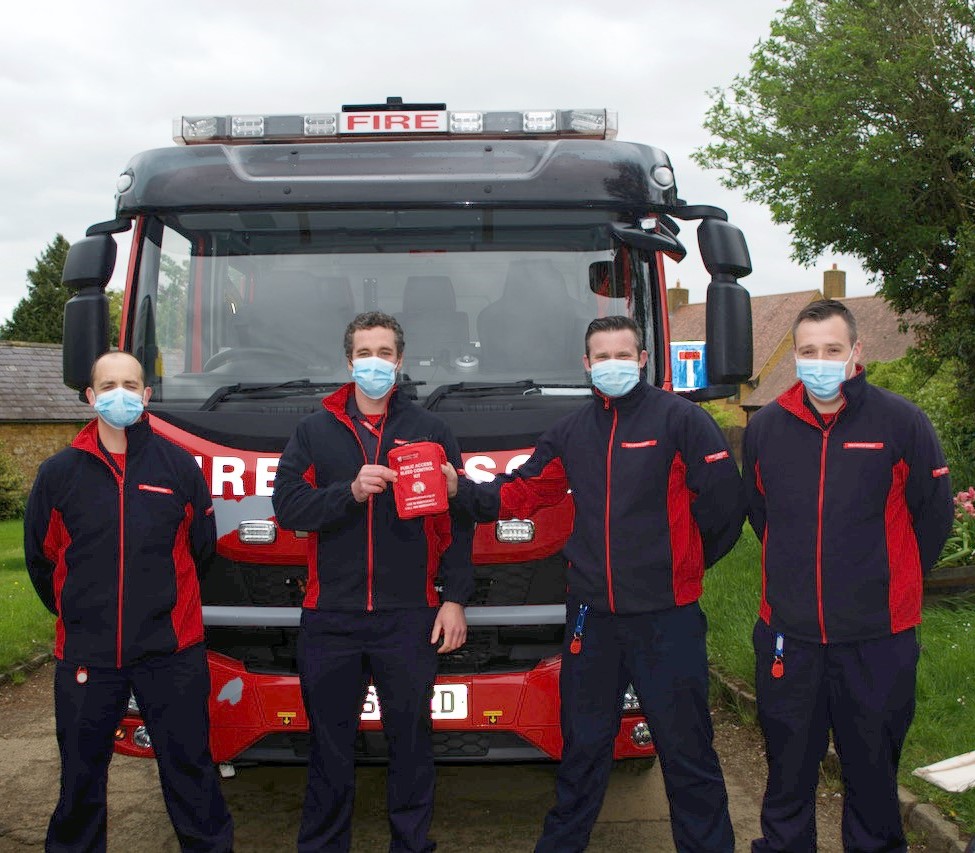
[90,262]
[728,316]
[723,249]
[87,269]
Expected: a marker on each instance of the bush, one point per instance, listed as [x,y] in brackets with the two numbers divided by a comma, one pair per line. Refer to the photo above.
[934,387]
[723,416]
[959,550]
[13,490]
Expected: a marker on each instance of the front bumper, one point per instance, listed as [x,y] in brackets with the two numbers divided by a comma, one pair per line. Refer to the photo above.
[513,716]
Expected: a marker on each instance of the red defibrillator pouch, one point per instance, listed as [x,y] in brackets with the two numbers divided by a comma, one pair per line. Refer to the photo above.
[420,487]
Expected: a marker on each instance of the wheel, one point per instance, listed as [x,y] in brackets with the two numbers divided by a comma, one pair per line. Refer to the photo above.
[259,355]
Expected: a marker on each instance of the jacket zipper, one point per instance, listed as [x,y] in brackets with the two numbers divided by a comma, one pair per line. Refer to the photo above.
[609,471]
[120,480]
[819,537]
[819,525]
[371,562]
[369,511]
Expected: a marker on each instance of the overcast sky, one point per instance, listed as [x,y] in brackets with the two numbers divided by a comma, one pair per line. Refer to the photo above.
[85,86]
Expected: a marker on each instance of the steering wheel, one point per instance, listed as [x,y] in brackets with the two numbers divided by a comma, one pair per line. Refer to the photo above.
[276,357]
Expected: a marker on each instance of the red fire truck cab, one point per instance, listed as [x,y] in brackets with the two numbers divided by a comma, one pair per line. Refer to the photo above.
[494,238]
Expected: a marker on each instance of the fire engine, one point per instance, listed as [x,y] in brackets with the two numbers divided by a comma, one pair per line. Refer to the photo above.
[494,237]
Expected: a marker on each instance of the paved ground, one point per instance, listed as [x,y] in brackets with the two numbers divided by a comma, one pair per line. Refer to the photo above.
[485,809]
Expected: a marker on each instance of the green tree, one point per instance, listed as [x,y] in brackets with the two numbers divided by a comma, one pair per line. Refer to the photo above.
[174,279]
[115,300]
[39,316]
[856,126]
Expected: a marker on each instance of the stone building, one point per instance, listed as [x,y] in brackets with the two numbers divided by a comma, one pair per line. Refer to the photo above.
[38,414]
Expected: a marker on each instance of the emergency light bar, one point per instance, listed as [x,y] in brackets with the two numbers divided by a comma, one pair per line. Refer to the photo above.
[394,123]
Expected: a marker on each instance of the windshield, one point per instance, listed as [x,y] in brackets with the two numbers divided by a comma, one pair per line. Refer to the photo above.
[227,299]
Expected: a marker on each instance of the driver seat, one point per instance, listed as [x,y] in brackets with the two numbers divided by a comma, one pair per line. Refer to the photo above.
[303,314]
[432,325]
[535,325]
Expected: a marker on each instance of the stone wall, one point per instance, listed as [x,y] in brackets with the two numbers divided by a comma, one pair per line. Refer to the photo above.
[29,444]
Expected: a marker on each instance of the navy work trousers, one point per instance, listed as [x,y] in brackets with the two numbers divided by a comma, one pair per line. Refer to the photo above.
[864,693]
[172,692]
[664,656]
[337,654]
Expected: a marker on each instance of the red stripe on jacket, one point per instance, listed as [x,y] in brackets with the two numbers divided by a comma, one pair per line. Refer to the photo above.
[186,615]
[685,537]
[311,545]
[904,592]
[437,530]
[521,498]
[764,608]
[56,542]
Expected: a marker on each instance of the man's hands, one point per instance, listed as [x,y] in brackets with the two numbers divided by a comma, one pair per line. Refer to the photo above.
[451,474]
[452,625]
[371,480]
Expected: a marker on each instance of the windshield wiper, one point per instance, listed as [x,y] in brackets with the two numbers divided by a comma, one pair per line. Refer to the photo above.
[272,391]
[489,389]
[281,389]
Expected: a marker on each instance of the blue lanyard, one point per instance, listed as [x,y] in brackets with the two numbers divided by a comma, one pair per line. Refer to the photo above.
[580,620]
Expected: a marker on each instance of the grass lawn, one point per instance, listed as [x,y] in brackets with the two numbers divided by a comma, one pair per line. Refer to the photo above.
[944,722]
[26,627]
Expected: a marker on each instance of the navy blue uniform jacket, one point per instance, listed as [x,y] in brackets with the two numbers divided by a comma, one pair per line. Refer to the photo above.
[116,554]
[363,556]
[849,514]
[657,496]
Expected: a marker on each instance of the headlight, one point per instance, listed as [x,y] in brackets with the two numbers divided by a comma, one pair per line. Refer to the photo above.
[140,737]
[631,702]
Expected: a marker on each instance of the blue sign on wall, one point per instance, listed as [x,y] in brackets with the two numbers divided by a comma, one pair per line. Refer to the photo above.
[688,365]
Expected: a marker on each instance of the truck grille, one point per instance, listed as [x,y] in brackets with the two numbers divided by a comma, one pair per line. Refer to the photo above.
[370,748]
[515,648]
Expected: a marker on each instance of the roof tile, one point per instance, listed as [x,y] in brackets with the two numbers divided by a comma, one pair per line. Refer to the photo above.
[32,388]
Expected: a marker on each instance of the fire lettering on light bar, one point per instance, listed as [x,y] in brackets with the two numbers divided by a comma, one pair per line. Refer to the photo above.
[393,122]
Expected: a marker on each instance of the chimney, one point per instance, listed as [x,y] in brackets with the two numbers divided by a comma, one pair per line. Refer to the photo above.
[676,297]
[834,283]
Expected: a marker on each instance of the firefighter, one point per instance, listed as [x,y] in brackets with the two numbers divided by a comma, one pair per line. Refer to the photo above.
[370,608]
[848,490]
[658,498]
[117,528]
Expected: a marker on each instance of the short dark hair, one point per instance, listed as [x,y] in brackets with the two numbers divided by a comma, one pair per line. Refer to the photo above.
[614,323]
[373,320]
[823,309]
[97,361]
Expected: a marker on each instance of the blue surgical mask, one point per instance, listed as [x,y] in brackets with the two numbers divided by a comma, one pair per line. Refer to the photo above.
[374,376]
[822,377]
[615,376]
[119,407]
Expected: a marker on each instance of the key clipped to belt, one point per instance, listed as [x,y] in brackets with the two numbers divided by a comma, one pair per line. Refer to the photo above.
[576,645]
[778,664]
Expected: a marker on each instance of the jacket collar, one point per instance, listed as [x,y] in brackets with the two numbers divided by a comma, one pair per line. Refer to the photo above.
[630,399]
[136,436]
[337,403]
[796,400]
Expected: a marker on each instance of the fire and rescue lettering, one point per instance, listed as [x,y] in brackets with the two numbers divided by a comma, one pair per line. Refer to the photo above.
[481,469]
[230,478]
